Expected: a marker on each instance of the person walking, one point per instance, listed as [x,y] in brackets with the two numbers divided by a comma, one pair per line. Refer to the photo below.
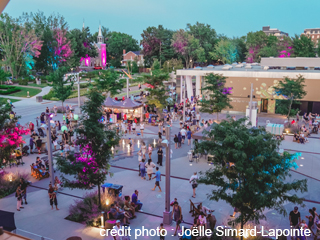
[31,126]
[134,126]
[189,134]
[177,216]
[179,139]
[139,160]
[55,109]
[143,148]
[294,217]
[23,188]
[150,166]
[158,179]
[19,197]
[194,183]
[31,145]
[175,139]
[142,169]
[160,156]
[141,128]
[183,134]
[53,197]
[39,144]
[150,150]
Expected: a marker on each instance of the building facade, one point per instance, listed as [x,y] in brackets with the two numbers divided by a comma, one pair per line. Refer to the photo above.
[132,56]
[274,31]
[240,77]
[99,62]
[313,33]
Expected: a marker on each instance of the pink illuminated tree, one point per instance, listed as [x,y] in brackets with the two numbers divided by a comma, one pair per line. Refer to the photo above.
[62,48]
[11,134]
[285,47]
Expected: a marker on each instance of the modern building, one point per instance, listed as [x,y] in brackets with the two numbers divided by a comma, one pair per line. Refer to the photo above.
[264,77]
[132,56]
[100,61]
[313,33]
[274,31]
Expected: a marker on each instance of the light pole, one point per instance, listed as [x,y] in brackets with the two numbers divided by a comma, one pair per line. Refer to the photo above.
[167,212]
[184,101]
[250,104]
[79,103]
[49,145]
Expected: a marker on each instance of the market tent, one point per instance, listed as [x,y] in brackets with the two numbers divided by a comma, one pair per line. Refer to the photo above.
[128,103]
[7,221]
[111,103]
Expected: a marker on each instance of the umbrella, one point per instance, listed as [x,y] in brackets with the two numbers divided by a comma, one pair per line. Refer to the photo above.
[7,221]
[149,85]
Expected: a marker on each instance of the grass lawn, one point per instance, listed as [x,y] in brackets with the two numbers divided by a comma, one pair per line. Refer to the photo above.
[12,100]
[24,90]
[42,85]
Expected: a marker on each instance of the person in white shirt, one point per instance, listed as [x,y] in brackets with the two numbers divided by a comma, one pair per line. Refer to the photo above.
[117,227]
[183,134]
[141,128]
[123,127]
[134,125]
[194,183]
[202,219]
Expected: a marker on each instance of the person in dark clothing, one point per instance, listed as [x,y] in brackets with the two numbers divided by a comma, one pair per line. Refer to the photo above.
[39,143]
[31,145]
[294,218]
[179,139]
[175,139]
[160,156]
[53,197]
[24,186]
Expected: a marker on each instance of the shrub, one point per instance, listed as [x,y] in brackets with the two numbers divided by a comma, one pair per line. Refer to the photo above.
[8,89]
[8,187]
[23,81]
[49,95]
[43,81]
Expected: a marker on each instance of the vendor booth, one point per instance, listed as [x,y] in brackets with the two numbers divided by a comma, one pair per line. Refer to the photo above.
[128,109]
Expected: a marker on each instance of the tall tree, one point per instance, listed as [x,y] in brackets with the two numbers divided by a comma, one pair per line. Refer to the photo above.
[271,47]
[10,133]
[62,48]
[217,95]
[292,90]
[96,143]
[303,46]
[226,51]
[109,82]
[82,45]
[248,172]
[18,42]
[158,96]
[188,47]
[61,89]
[206,35]
[156,44]
[255,42]
[117,42]
[240,43]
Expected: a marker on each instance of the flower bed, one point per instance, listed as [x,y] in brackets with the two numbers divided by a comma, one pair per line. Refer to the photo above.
[5,90]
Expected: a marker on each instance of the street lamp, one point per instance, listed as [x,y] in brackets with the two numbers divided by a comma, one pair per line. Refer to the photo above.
[167,212]
[49,145]
[184,100]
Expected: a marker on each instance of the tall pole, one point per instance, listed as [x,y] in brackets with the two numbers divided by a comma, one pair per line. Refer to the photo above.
[127,87]
[184,101]
[49,145]
[167,213]
[79,103]
[250,104]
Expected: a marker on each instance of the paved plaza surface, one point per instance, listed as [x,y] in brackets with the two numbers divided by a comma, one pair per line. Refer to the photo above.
[37,217]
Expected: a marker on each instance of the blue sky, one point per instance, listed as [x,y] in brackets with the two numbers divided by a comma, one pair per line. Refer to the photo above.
[229,17]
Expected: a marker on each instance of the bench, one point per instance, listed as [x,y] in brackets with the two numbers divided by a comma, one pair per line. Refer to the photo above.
[110,221]
[33,172]
[40,175]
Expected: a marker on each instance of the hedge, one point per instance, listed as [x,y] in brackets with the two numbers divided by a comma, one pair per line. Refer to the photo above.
[23,81]
[10,89]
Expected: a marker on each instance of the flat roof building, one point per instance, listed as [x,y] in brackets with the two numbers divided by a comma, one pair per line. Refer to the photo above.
[313,33]
[264,77]
[274,31]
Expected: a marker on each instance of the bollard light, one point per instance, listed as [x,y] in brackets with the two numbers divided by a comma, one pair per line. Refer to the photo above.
[28,94]
[102,219]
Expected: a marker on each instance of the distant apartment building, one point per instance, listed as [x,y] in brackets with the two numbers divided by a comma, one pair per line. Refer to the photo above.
[313,33]
[274,31]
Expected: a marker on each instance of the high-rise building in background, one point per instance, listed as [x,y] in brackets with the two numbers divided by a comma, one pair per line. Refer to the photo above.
[313,33]
[274,31]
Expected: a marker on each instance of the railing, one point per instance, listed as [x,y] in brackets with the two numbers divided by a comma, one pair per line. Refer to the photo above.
[30,235]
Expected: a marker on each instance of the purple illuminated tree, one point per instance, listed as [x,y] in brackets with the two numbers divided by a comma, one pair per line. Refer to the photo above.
[255,42]
[285,47]
[96,142]
[217,95]
[188,47]
[62,48]
[18,42]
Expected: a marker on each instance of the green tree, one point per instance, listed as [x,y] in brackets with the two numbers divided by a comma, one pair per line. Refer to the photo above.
[59,83]
[271,48]
[82,46]
[104,31]
[255,41]
[117,42]
[109,82]
[225,51]
[132,66]
[292,90]
[206,35]
[96,141]
[217,95]
[188,47]
[303,46]
[248,172]
[3,75]
[158,96]
[172,65]
[240,43]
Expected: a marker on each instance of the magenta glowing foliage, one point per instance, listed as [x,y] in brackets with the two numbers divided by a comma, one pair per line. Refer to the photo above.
[31,43]
[286,49]
[63,48]
[11,137]
[227,90]
[149,43]
[252,53]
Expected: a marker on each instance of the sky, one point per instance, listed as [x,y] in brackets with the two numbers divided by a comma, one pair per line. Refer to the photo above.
[228,17]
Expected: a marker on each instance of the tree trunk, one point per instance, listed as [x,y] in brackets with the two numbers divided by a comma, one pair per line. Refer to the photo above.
[241,224]
[62,106]
[217,117]
[99,196]
[289,109]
